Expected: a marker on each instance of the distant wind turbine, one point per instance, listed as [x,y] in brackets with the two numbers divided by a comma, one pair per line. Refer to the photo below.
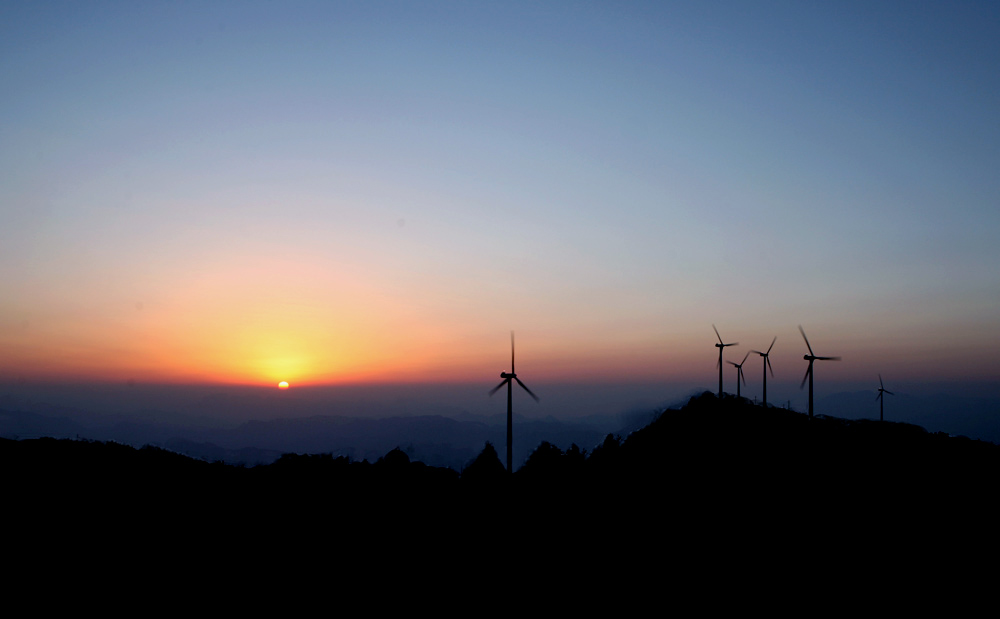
[809,372]
[767,365]
[507,378]
[881,404]
[739,372]
[720,346]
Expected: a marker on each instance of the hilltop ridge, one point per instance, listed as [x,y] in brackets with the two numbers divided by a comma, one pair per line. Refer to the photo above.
[708,446]
[709,479]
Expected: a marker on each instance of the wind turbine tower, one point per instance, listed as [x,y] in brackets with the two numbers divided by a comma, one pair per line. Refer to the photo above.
[720,346]
[739,372]
[508,380]
[881,404]
[809,372]
[767,365]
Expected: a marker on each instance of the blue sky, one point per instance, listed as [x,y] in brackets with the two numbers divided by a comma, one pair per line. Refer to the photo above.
[381,191]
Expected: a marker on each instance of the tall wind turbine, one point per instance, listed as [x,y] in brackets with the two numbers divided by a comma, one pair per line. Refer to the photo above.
[809,373]
[767,365]
[739,373]
[720,346]
[507,378]
[881,390]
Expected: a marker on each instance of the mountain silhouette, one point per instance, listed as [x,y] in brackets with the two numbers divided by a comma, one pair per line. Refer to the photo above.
[714,478]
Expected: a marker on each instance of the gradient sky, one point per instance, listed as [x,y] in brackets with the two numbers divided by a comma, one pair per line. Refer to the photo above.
[379,192]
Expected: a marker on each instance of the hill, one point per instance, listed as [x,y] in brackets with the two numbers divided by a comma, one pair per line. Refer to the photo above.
[712,476]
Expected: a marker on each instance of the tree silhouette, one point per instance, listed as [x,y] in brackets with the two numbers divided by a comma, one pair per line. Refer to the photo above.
[486,468]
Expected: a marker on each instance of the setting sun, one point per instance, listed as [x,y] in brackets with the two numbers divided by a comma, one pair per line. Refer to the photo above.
[283,385]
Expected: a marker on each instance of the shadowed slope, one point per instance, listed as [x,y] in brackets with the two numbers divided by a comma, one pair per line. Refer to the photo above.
[707,478]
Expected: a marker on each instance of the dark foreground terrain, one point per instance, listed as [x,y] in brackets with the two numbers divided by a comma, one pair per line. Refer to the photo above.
[717,487]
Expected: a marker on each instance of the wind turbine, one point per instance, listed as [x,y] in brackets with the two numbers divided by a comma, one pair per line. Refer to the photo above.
[739,372]
[767,365]
[720,346]
[507,378]
[881,390]
[809,373]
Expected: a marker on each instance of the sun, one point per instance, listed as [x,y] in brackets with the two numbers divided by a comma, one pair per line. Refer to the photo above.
[283,385]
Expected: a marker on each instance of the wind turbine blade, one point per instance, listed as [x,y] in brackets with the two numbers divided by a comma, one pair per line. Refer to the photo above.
[768,360]
[889,392]
[807,341]
[734,364]
[880,381]
[878,396]
[806,377]
[743,377]
[512,352]
[828,358]
[733,344]
[717,334]
[502,383]
[772,345]
[526,389]
[744,359]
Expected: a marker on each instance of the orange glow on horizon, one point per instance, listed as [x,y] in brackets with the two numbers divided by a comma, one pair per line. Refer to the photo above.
[312,325]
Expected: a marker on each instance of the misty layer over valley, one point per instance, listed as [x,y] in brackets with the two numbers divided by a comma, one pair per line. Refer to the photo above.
[245,425]
[443,425]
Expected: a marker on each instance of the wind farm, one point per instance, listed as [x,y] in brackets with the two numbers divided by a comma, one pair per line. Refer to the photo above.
[810,358]
[769,459]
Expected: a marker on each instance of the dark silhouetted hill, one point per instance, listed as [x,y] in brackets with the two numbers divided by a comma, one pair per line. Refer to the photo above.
[713,477]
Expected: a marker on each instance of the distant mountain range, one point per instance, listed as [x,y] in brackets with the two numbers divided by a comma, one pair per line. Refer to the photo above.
[451,440]
[432,439]
[975,417]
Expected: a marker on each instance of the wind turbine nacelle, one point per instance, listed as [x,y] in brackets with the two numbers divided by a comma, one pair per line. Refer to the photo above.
[506,375]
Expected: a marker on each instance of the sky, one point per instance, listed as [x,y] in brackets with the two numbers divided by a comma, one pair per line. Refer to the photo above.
[343,193]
